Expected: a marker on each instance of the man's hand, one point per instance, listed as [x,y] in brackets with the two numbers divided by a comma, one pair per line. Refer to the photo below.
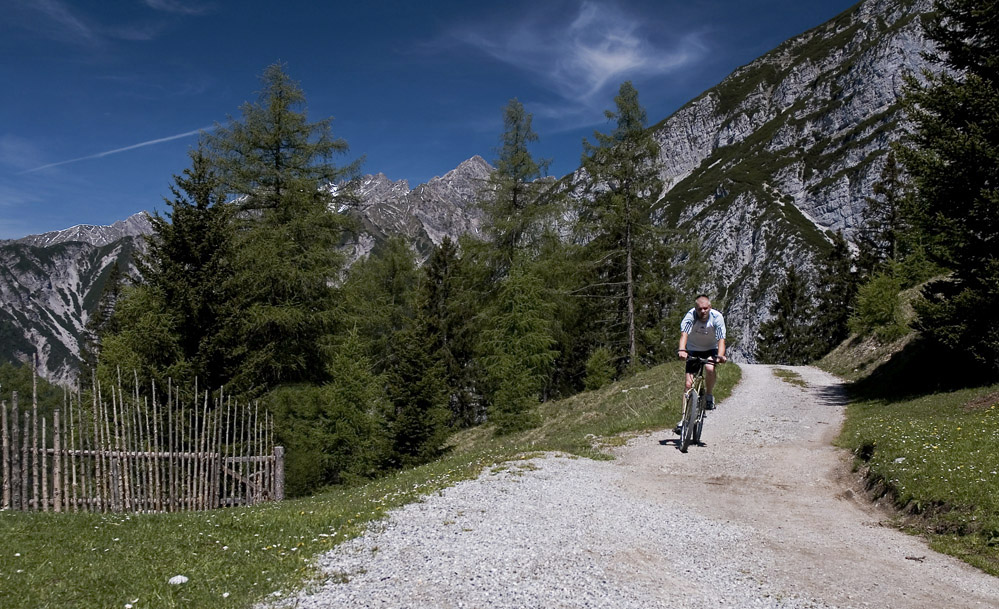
[722,359]
[682,353]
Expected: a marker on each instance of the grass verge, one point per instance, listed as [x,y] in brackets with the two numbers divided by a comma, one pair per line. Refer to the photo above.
[238,557]
[934,456]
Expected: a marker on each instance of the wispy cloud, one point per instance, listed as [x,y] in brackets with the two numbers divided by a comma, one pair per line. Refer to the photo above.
[65,22]
[61,22]
[118,150]
[180,8]
[584,53]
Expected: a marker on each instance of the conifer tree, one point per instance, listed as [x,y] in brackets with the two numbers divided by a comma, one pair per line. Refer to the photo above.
[954,160]
[837,291]
[101,322]
[878,239]
[380,297]
[617,222]
[512,197]
[417,421]
[333,433]
[786,338]
[518,351]
[448,319]
[281,301]
[188,261]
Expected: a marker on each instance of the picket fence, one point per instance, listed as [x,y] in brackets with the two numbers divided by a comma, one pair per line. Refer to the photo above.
[138,455]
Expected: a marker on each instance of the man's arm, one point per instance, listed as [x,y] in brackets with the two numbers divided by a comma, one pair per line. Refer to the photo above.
[721,351]
[682,349]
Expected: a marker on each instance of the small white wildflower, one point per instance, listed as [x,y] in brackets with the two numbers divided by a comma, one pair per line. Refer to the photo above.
[225,595]
[17,553]
[178,579]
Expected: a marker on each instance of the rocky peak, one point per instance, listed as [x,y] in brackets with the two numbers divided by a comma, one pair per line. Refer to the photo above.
[98,236]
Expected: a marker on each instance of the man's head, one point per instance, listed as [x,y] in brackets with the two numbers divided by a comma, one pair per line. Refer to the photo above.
[702,306]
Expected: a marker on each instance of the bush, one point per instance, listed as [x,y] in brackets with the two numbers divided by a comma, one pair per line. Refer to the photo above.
[879,308]
[599,368]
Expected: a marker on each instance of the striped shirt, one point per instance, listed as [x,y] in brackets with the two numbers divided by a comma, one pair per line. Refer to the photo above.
[703,335]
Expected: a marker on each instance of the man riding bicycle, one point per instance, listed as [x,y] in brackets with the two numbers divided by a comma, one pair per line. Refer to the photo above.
[702,334]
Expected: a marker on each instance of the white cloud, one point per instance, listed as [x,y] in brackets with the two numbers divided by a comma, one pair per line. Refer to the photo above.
[583,54]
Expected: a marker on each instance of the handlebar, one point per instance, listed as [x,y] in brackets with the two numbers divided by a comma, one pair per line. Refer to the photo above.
[705,360]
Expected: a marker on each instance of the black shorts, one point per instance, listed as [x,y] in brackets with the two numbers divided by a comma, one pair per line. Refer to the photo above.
[693,366]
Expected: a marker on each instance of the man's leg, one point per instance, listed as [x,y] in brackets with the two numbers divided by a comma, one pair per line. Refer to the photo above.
[688,381]
[709,378]
[709,385]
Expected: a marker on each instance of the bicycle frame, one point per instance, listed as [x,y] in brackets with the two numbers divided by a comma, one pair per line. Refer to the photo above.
[692,421]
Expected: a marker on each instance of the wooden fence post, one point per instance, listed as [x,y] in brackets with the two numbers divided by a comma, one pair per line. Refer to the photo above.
[279,473]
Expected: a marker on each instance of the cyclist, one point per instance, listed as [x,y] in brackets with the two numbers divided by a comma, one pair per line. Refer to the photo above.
[703,332]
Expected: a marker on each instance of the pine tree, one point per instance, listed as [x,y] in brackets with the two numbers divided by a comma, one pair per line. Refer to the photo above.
[837,291]
[883,220]
[518,351]
[512,198]
[954,159]
[617,222]
[418,418]
[787,338]
[380,297]
[188,261]
[281,301]
[333,433]
[448,321]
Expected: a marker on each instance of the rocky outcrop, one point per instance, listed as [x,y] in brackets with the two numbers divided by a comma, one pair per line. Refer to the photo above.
[444,206]
[133,226]
[48,294]
[785,151]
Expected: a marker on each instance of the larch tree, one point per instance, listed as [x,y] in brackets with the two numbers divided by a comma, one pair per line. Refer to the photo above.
[512,198]
[617,222]
[281,300]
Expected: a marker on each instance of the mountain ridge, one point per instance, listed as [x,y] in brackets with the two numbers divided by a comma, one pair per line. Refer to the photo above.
[764,166]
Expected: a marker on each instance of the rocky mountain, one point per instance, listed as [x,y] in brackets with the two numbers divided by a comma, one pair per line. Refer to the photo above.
[48,293]
[784,152]
[424,215]
[51,283]
[764,167]
[98,236]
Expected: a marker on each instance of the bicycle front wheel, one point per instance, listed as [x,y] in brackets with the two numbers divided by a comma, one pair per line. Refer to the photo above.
[689,421]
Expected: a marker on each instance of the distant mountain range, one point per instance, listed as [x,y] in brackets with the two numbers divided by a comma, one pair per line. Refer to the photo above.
[764,167]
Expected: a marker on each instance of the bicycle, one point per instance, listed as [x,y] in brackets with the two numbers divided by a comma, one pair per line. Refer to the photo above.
[692,421]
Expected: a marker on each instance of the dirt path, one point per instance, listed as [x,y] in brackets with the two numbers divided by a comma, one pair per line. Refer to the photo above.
[768,466]
[761,516]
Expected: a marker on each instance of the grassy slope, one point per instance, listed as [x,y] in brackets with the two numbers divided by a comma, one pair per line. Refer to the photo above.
[931,448]
[236,557]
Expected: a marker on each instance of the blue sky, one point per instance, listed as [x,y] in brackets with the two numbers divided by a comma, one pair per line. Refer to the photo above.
[101,100]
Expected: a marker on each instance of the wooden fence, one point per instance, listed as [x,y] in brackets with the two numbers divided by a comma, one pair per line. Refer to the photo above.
[138,455]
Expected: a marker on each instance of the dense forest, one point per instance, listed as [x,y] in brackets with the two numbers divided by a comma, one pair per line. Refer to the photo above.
[368,367]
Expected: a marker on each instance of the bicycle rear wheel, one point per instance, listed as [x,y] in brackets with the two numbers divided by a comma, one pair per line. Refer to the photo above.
[689,421]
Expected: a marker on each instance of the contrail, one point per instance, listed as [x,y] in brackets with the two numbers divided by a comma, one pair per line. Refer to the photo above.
[117,150]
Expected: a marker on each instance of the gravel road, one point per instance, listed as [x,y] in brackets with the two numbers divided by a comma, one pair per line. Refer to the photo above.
[760,516]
